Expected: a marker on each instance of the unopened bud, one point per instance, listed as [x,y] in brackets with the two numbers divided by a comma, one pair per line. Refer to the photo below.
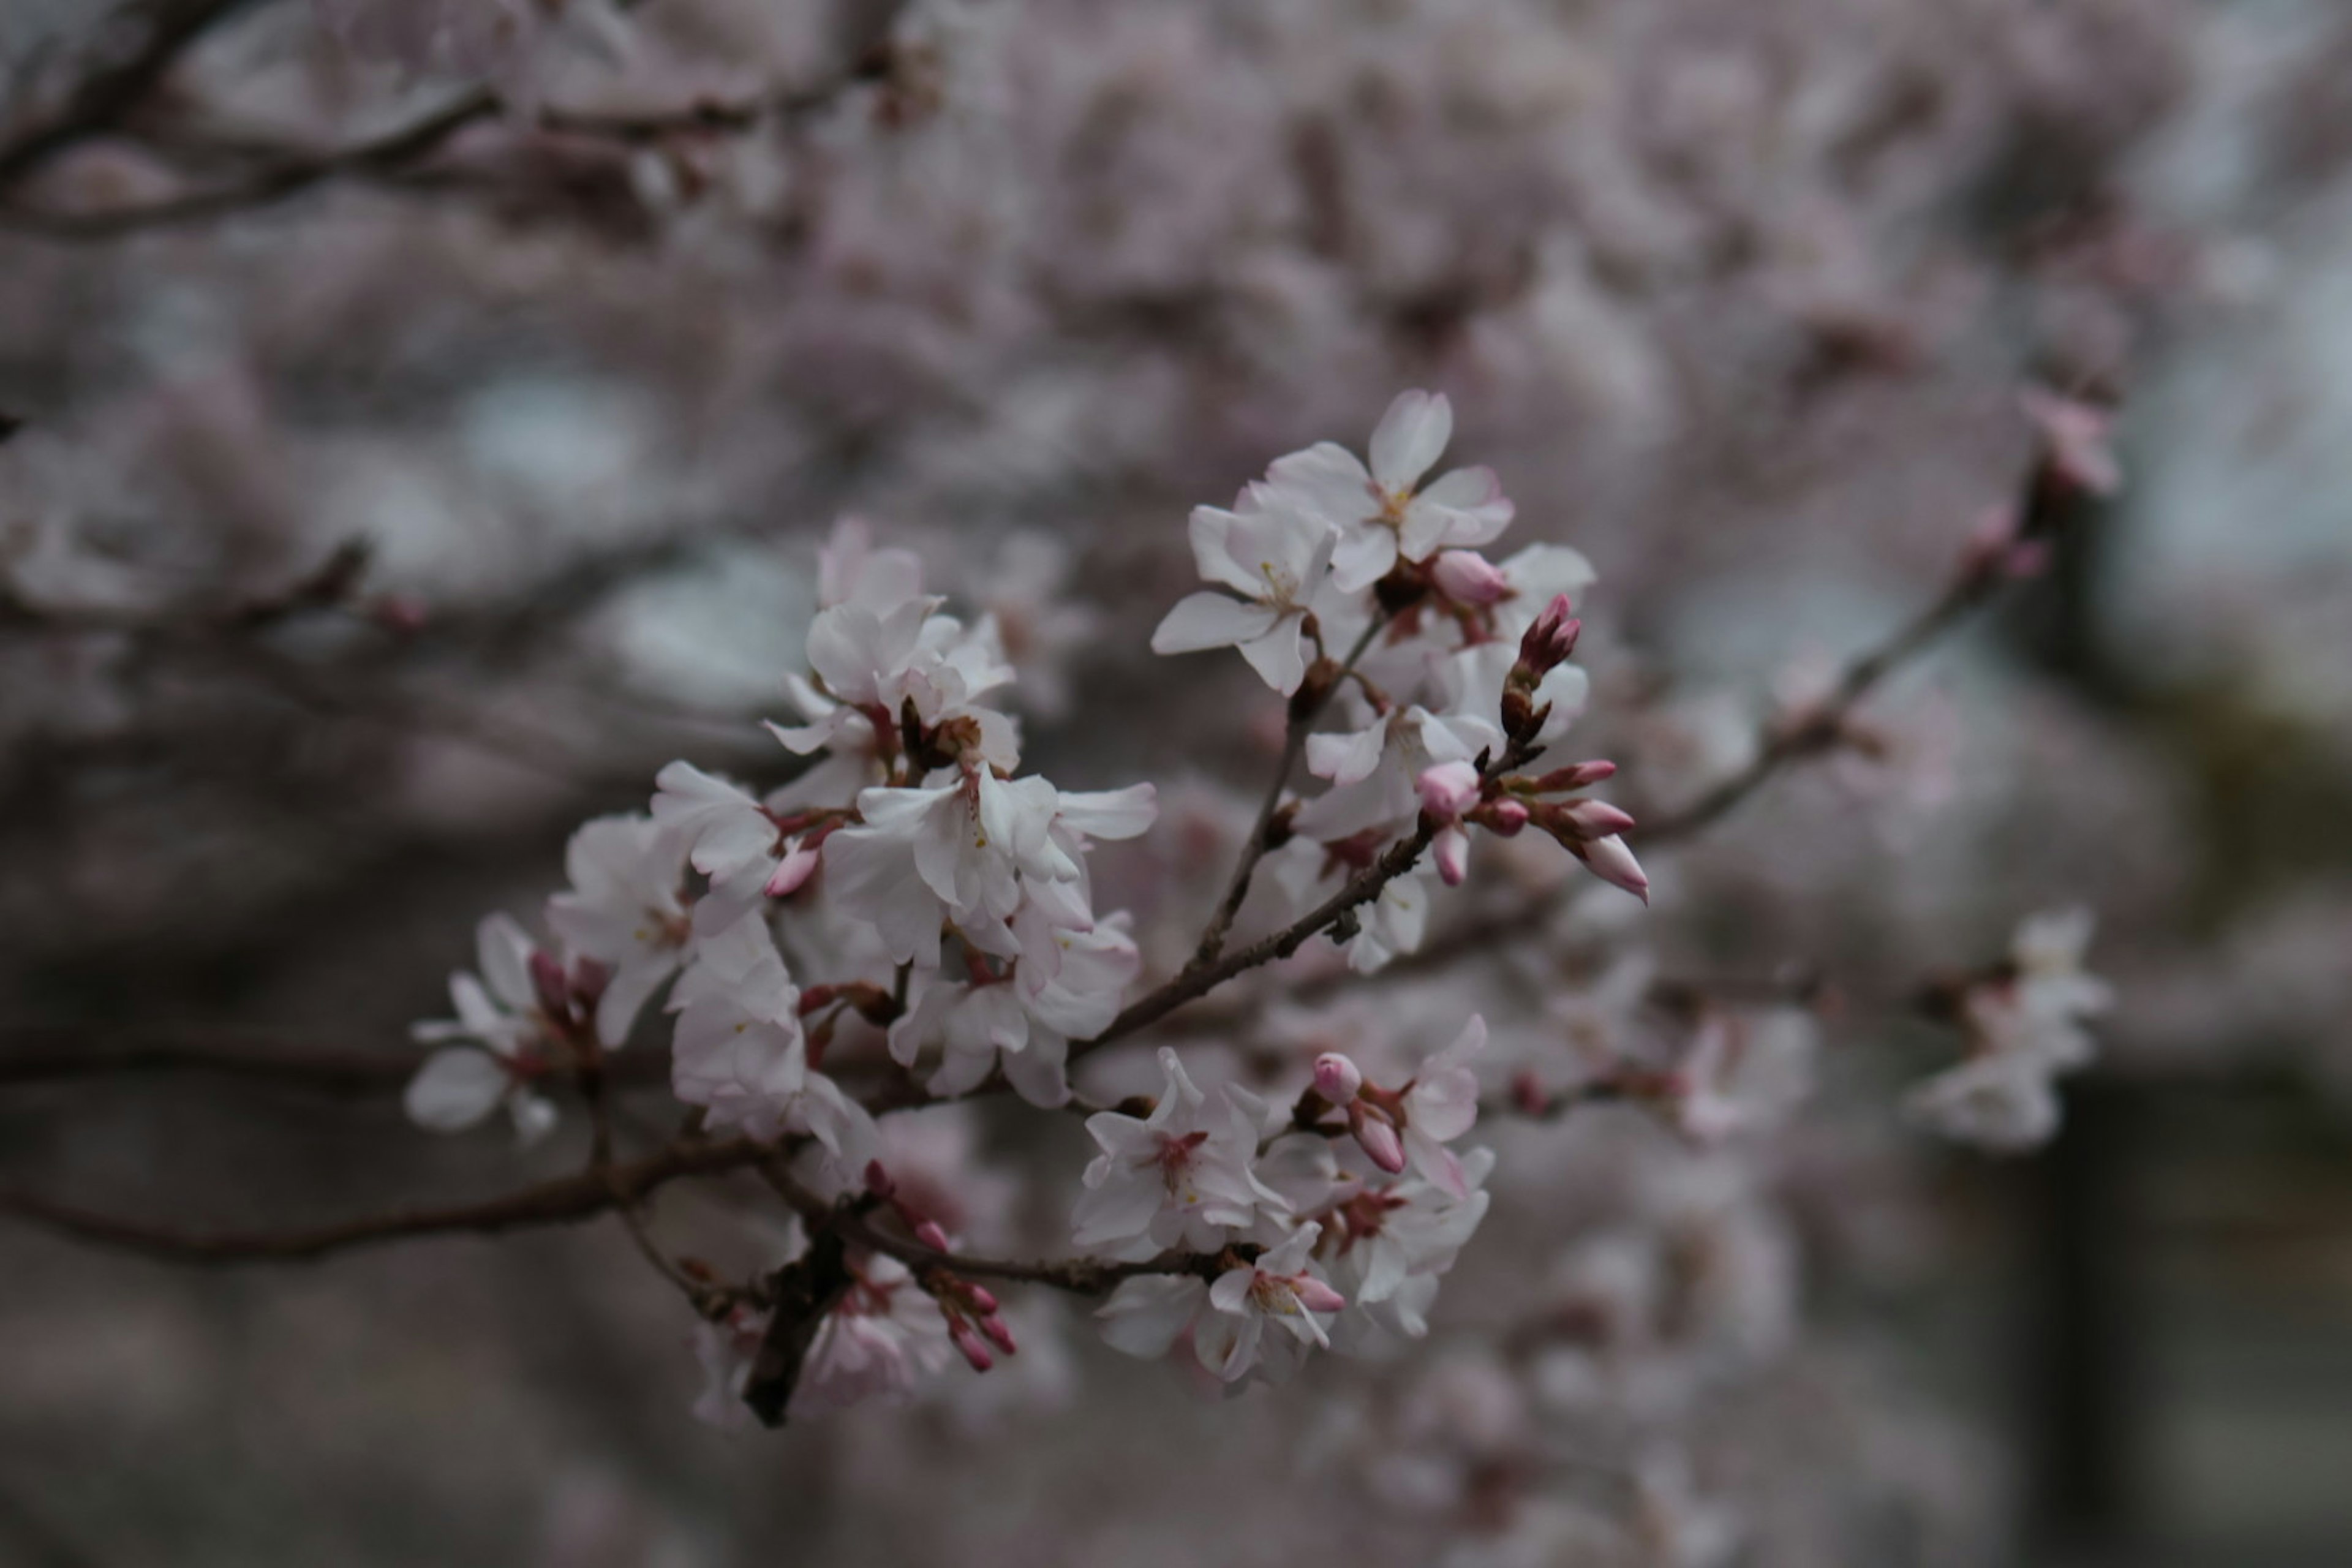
[1449,789]
[1468,577]
[928,1232]
[982,1299]
[1377,1136]
[1595,818]
[1505,817]
[1336,1079]
[1453,854]
[799,863]
[1551,640]
[1608,859]
[998,1333]
[1575,776]
[877,1180]
[968,1342]
[1315,1296]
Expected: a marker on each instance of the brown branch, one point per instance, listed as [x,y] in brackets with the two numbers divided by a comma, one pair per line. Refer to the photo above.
[561,1202]
[1079,1275]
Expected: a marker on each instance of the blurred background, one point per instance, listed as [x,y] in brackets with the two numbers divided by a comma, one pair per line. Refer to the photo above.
[423,415]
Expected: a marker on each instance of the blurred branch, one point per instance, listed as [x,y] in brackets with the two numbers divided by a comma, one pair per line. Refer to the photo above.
[563,1202]
[112,92]
[60,1053]
[290,171]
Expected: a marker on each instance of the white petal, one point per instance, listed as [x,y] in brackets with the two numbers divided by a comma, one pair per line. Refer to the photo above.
[1280,656]
[1201,621]
[1410,438]
[455,1088]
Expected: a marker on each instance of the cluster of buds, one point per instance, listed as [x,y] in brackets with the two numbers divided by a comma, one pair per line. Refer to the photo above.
[1376,1117]
[1454,794]
[974,1325]
[1546,644]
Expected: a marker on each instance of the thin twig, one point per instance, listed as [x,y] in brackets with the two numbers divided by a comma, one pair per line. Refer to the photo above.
[1294,740]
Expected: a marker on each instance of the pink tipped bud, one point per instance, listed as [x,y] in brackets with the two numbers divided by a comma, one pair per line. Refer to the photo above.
[1453,848]
[1595,818]
[1315,1295]
[1608,859]
[1550,641]
[1468,577]
[547,982]
[930,1234]
[799,863]
[1575,776]
[967,1341]
[1377,1136]
[877,1180]
[981,1298]
[1505,817]
[1337,1079]
[998,1334]
[1449,789]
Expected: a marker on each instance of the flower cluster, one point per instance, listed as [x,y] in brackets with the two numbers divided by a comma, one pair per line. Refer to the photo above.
[1363,583]
[1331,1228]
[2024,1023]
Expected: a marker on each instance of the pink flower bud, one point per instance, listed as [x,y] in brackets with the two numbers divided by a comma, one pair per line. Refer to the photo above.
[999,1335]
[1505,815]
[1315,1295]
[1552,638]
[969,1342]
[981,1297]
[1608,859]
[1336,1079]
[1595,818]
[877,1180]
[1575,776]
[1449,789]
[1468,577]
[1453,853]
[1377,1136]
[928,1232]
[799,863]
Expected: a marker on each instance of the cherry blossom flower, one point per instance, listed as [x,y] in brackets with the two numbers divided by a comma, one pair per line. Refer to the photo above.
[1383,511]
[624,910]
[741,1053]
[499,1009]
[1181,1178]
[1280,1289]
[1274,556]
[879,1343]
